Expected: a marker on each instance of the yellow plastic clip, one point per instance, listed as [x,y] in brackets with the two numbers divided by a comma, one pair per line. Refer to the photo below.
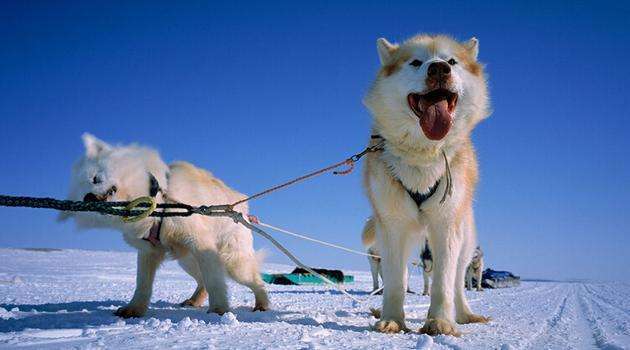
[135,203]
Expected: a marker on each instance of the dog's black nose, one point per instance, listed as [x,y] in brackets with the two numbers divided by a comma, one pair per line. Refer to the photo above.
[439,70]
[90,197]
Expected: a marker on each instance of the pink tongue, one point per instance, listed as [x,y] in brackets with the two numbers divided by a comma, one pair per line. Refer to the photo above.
[436,120]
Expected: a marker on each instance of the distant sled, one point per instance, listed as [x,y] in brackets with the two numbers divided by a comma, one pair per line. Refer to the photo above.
[498,279]
[300,276]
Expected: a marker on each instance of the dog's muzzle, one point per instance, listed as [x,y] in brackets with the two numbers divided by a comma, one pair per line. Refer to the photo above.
[91,197]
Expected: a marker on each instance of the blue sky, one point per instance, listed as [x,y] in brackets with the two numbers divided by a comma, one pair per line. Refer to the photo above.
[259,93]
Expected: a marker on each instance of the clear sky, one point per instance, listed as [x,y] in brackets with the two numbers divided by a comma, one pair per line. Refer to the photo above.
[260,93]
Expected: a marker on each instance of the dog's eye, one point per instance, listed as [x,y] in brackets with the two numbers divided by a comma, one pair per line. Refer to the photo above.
[96,180]
[415,63]
[452,62]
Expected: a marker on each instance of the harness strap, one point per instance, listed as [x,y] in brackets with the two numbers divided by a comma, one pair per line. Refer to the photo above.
[419,197]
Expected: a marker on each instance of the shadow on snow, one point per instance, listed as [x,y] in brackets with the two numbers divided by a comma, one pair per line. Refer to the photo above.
[85,314]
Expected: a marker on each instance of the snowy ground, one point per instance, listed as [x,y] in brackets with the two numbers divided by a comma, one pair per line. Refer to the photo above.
[65,299]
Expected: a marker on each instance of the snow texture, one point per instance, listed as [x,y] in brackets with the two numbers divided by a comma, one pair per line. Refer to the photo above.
[65,299]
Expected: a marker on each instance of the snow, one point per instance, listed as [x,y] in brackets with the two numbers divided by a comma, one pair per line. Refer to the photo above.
[65,299]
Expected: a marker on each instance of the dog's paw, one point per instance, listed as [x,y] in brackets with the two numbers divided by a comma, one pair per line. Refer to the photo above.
[261,307]
[479,289]
[191,303]
[436,326]
[390,326]
[130,311]
[220,310]
[472,318]
[426,293]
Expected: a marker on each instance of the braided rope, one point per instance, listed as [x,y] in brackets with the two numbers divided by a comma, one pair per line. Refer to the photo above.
[110,208]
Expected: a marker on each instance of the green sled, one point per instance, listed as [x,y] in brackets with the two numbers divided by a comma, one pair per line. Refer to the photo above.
[299,278]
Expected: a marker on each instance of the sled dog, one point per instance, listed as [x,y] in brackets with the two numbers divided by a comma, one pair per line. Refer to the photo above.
[426,262]
[429,94]
[206,248]
[475,269]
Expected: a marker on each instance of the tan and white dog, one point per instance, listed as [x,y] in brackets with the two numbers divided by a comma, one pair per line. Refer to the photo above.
[475,269]
[429,94]
[207,248]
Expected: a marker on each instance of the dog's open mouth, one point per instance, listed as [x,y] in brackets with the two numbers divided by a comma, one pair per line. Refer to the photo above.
[435,110]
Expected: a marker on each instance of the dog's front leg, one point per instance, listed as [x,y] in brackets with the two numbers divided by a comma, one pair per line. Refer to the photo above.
[148,263]
[469,281]
[395,250]
[479,276]
[427,282]
[445,245]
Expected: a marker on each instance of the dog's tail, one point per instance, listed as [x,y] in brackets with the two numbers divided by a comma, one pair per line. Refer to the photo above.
[369,234]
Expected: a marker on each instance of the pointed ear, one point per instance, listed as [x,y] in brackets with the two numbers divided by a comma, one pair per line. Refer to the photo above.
[472,46]
[385,49]
[94,146]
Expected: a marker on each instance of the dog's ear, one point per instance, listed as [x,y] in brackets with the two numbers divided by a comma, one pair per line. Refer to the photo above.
[385,50]
[472,46]
[93,145]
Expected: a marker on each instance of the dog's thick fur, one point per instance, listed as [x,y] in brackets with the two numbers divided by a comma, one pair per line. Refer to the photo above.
[206,248]
[475,269]
[375,262]
[411,160]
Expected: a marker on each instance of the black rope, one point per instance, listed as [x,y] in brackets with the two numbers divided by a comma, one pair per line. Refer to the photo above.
[110,208]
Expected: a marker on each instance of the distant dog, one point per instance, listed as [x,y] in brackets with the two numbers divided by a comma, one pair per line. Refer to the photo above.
[475,269]
[426,262]
[205,247]
[429,94]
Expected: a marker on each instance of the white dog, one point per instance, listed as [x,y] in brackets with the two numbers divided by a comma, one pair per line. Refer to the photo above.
[428,95]
[205,247]
[475,269]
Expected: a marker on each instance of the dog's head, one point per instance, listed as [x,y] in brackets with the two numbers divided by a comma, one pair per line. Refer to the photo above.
[478,255]
[430,90]
[113,173]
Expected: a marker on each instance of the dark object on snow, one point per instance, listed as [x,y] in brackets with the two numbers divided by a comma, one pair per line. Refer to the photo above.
[333,275]
[499,279]
[301,276]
